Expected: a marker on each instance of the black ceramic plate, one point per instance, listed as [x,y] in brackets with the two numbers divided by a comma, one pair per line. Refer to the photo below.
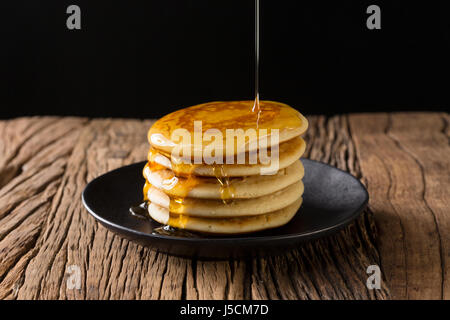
[332,199]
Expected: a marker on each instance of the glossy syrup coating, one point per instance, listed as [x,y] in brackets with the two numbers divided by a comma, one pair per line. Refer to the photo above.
[223,115]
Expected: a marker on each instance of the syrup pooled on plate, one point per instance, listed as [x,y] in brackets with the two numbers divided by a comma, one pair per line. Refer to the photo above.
[140,211]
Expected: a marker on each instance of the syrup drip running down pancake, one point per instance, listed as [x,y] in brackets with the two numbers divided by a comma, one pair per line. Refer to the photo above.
[243,187]
[211,208]
[226,197]
[289,152]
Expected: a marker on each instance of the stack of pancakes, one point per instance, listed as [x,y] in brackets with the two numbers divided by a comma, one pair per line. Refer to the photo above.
[226,198]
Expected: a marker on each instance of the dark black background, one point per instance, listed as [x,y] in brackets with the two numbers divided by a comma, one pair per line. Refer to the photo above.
[146,58]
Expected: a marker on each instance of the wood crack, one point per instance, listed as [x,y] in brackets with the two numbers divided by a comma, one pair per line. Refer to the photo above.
[422,174]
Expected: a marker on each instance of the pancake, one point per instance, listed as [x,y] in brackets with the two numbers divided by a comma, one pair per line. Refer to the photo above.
[211,188]
[289,152]
[223,116]
[222,168]
[233,208]
[225,226]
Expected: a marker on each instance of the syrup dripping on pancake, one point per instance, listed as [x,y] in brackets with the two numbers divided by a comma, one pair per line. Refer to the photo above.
[226,189]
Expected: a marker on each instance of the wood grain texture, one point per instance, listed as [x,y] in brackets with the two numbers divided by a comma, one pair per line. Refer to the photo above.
[45,162]
[405,159]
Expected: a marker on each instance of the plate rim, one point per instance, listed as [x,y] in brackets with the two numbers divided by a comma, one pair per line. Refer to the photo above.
[225,240]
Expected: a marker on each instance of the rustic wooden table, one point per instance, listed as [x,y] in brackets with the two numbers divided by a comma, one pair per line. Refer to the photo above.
[403,159]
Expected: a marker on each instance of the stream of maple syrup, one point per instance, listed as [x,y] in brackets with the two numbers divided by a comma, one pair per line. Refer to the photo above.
[256,106]
[226,189]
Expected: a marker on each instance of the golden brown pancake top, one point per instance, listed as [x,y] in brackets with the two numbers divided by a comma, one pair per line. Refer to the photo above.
[230,115]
